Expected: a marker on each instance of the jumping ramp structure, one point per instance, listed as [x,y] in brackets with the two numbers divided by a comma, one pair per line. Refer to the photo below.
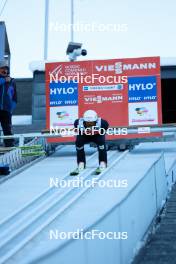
[42,222]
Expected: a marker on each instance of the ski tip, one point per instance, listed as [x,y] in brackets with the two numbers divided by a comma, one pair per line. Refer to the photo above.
[74,173]
[97,173]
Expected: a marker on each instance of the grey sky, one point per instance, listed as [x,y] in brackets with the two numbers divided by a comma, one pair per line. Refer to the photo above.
[150,29]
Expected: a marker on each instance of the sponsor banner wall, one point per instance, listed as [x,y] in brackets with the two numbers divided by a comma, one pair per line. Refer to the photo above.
[126,92]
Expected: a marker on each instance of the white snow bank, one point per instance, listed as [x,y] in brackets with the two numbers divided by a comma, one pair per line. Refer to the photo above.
[22,120]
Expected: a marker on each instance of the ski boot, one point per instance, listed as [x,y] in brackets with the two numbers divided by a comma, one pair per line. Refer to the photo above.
[101,168]
[80,168]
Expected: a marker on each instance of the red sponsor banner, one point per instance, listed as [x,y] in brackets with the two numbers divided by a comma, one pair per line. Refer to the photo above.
[125,92]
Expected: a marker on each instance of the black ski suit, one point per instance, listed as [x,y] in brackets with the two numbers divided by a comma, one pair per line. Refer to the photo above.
[98,139]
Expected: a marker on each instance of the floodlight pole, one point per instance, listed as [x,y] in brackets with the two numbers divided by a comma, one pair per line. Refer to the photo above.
[46,29]
[72,20]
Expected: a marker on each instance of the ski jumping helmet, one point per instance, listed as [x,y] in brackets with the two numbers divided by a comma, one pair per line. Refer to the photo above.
[90,116]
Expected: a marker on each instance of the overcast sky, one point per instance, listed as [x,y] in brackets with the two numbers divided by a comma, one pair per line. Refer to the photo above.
[142,28]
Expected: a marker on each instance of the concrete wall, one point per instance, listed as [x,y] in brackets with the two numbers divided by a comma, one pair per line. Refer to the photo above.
[39,99]
[24,96]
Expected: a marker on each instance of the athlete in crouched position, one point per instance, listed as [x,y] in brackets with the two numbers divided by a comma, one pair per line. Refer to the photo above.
[90,128]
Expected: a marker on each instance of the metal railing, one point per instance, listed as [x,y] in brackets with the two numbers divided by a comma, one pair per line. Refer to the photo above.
[16,159]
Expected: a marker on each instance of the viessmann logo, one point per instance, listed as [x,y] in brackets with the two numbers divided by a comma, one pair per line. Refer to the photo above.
[119,67]
[101,99]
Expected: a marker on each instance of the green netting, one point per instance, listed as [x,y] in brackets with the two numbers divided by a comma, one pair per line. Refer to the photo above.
[34,150]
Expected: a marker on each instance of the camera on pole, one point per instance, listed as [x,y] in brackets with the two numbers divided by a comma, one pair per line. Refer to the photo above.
[74,50]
